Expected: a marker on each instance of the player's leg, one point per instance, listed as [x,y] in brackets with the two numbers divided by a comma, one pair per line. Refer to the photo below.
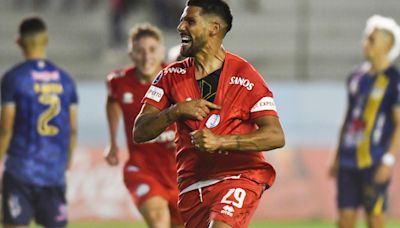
[218,224]
[375,221]
[155,212]
[176,218]
[349,197]
[17,211]
[51,207]
[375,196]
[149,197]
[347,218]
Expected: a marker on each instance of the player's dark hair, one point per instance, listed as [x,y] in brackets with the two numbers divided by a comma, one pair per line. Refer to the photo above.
[216,7]
[31,25]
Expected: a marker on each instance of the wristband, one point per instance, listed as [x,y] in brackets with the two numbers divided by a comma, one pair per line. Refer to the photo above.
[388,159]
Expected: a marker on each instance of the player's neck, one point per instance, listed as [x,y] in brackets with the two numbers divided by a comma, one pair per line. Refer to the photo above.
[144,78]
[34,54]
[209,60]
[379,65]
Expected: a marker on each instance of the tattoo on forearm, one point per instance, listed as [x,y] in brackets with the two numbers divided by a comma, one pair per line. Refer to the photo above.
[168,115]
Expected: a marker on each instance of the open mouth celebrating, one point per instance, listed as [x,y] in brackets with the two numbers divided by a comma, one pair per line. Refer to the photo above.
[185,39]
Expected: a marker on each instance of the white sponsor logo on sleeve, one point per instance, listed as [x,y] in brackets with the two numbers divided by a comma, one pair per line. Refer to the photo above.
[155,93]
[264,104]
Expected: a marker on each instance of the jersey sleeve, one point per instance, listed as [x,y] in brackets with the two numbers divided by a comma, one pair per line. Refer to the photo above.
[158,93]
[110,84]
[74,94]
[7,90]
[261,99]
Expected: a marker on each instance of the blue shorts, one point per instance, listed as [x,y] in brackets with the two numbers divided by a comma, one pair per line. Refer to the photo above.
[356,188]
[23,201]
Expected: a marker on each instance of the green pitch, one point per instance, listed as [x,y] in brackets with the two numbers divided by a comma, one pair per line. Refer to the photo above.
[256,224]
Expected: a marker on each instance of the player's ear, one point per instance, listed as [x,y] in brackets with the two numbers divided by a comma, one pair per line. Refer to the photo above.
[216,28]
[18,41]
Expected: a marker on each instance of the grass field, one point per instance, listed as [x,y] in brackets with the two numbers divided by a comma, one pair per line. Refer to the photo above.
[256,224]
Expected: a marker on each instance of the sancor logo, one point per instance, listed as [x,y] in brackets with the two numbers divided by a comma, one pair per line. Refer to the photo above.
[235,80]
[174,70]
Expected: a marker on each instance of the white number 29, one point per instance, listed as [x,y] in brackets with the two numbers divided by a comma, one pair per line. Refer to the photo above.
[238,195]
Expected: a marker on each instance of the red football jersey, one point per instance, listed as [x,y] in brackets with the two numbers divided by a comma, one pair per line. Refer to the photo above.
[243,96]
[156,156]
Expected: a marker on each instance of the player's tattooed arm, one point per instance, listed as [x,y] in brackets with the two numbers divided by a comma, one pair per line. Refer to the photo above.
[268,136]
[151,122]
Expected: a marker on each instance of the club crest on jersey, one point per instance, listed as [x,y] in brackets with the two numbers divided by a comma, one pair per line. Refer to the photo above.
[236,80]
[213,121]
[127,98]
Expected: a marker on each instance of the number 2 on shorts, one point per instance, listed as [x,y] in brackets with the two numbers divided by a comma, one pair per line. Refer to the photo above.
[239,195]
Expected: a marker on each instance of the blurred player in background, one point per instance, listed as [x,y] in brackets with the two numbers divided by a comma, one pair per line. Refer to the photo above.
[370,136]
[225,117]
[37,133]
[150,172]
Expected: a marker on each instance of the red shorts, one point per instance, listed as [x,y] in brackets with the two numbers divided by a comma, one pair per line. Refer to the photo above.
[142,186]
[231,201]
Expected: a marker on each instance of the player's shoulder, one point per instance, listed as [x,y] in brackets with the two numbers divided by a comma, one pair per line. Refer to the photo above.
[117,75]
[179,67]
[56,72]
[241,65]
[174,69]
[358,71]
[393,73]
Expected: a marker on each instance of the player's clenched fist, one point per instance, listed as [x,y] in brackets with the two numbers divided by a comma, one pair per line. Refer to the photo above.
[194,109]
[205,140]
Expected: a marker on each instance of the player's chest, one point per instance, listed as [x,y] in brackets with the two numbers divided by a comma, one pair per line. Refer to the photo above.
[130,97]
[230,94]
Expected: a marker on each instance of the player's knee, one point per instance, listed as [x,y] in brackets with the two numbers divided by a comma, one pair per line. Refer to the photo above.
[347,219]
[156,213]
[218,224]
[375,220]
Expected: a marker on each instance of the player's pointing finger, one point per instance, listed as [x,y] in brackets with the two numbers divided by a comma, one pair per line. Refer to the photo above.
[212,105]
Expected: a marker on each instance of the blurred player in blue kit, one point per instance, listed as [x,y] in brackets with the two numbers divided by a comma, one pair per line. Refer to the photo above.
[37,133]
[370,136]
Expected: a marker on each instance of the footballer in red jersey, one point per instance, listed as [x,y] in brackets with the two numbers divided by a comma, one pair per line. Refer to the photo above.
[225,116]
[150,172]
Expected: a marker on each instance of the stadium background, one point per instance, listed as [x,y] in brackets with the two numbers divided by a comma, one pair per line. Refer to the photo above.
[303,48]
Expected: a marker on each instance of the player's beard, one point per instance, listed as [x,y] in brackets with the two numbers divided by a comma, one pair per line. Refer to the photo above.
[194,48]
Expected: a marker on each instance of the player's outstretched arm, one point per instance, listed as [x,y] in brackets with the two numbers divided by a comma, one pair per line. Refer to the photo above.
[385,170]
[113,116]
[73,122]
[6,128]
[151,122]
[268,136]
